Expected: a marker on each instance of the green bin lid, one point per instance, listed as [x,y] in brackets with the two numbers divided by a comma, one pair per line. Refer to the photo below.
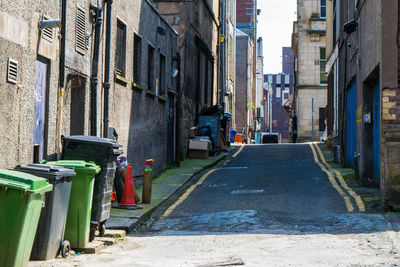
[77,165]
[22,181]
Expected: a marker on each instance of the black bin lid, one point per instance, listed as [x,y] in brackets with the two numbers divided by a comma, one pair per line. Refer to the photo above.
[47,171]
[92,140]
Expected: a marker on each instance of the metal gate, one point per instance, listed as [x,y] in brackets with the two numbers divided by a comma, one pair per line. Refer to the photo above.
[351,125]
[376,131]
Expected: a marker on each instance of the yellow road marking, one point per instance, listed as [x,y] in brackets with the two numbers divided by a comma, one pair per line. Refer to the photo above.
[237,152]
[357,198]
[332,180]
[187,193]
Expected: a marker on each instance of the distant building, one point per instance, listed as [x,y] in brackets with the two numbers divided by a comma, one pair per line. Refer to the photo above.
[282,88]
[287,60]
[244,83]
[259,103]
[197,24]
[228,55]
[308,44]
[279,89]
[246,22]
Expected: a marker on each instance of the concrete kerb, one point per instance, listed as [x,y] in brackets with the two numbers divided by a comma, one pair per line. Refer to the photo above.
[369,195]
[130,220]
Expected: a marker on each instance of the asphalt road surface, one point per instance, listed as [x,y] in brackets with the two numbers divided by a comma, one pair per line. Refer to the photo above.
[271,205]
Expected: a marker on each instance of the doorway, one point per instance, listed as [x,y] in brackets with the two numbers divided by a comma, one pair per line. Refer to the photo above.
[376,132]
[351,125]
[77,109]
[40,113]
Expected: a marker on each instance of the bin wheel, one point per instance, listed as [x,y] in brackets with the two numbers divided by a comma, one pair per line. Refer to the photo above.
[102,229]
[65,249]
[92,233]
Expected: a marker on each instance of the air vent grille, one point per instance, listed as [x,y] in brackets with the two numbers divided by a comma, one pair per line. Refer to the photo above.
[80,30]
[47,33]
[87,41]
[12,71]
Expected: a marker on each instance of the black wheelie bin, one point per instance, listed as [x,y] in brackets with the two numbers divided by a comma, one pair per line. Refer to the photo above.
[103,152]
[49,240]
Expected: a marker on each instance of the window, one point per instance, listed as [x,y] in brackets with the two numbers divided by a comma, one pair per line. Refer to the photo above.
[285,96]
[322,115]
[278,79]
[161,79]
[137,58]
[278,92]
[150,68]
[206,81]
[120,51]
[287,79]
[323,8]
[322,62]
[270,79]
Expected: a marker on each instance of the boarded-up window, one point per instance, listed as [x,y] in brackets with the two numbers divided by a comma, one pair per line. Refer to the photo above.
[322,63]
[162,75]
[322,115]
[323,8]
[137,58]
[150,68]
[120,50]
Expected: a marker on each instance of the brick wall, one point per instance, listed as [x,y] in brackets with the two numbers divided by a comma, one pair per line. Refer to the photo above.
[391,106]
[242,9]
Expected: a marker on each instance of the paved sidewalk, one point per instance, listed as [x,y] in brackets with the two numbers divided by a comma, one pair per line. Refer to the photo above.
[369,195]
[163,187]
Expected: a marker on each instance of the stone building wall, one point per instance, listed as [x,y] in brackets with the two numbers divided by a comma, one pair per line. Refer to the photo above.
[311,37]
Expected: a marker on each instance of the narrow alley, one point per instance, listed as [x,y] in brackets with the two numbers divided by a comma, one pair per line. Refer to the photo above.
[264,205]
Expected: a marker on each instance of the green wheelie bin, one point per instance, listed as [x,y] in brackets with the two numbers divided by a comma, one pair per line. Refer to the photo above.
[21,201]
[77,227]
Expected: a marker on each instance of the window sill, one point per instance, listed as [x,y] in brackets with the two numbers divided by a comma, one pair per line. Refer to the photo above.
[150,93]
[162,98]
[121,80]
[137,87]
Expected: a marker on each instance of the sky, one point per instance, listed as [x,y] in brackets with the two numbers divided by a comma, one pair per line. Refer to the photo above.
[275,26]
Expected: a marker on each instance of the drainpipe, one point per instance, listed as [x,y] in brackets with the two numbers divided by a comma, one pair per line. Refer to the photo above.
[95,68]
[198,83]
[178,111]
[61,73]
[106,84]
[62,52]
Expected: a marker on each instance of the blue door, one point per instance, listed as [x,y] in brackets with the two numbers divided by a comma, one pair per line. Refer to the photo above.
[351,125]
[376,130]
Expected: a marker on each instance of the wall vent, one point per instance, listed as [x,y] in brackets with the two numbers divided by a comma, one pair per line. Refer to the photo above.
[80,42]
[47,33]
[87,41]
[12,71]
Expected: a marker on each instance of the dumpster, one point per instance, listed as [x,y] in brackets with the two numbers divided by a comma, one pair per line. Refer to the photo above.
[214,122]
[21,201]
[103,152]
[49,241]
[232,134]
[80,203]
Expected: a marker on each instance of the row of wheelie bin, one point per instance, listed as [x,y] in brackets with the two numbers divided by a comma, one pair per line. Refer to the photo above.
[63,202]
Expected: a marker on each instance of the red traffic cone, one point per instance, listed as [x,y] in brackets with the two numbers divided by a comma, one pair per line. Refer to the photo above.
[128,197]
